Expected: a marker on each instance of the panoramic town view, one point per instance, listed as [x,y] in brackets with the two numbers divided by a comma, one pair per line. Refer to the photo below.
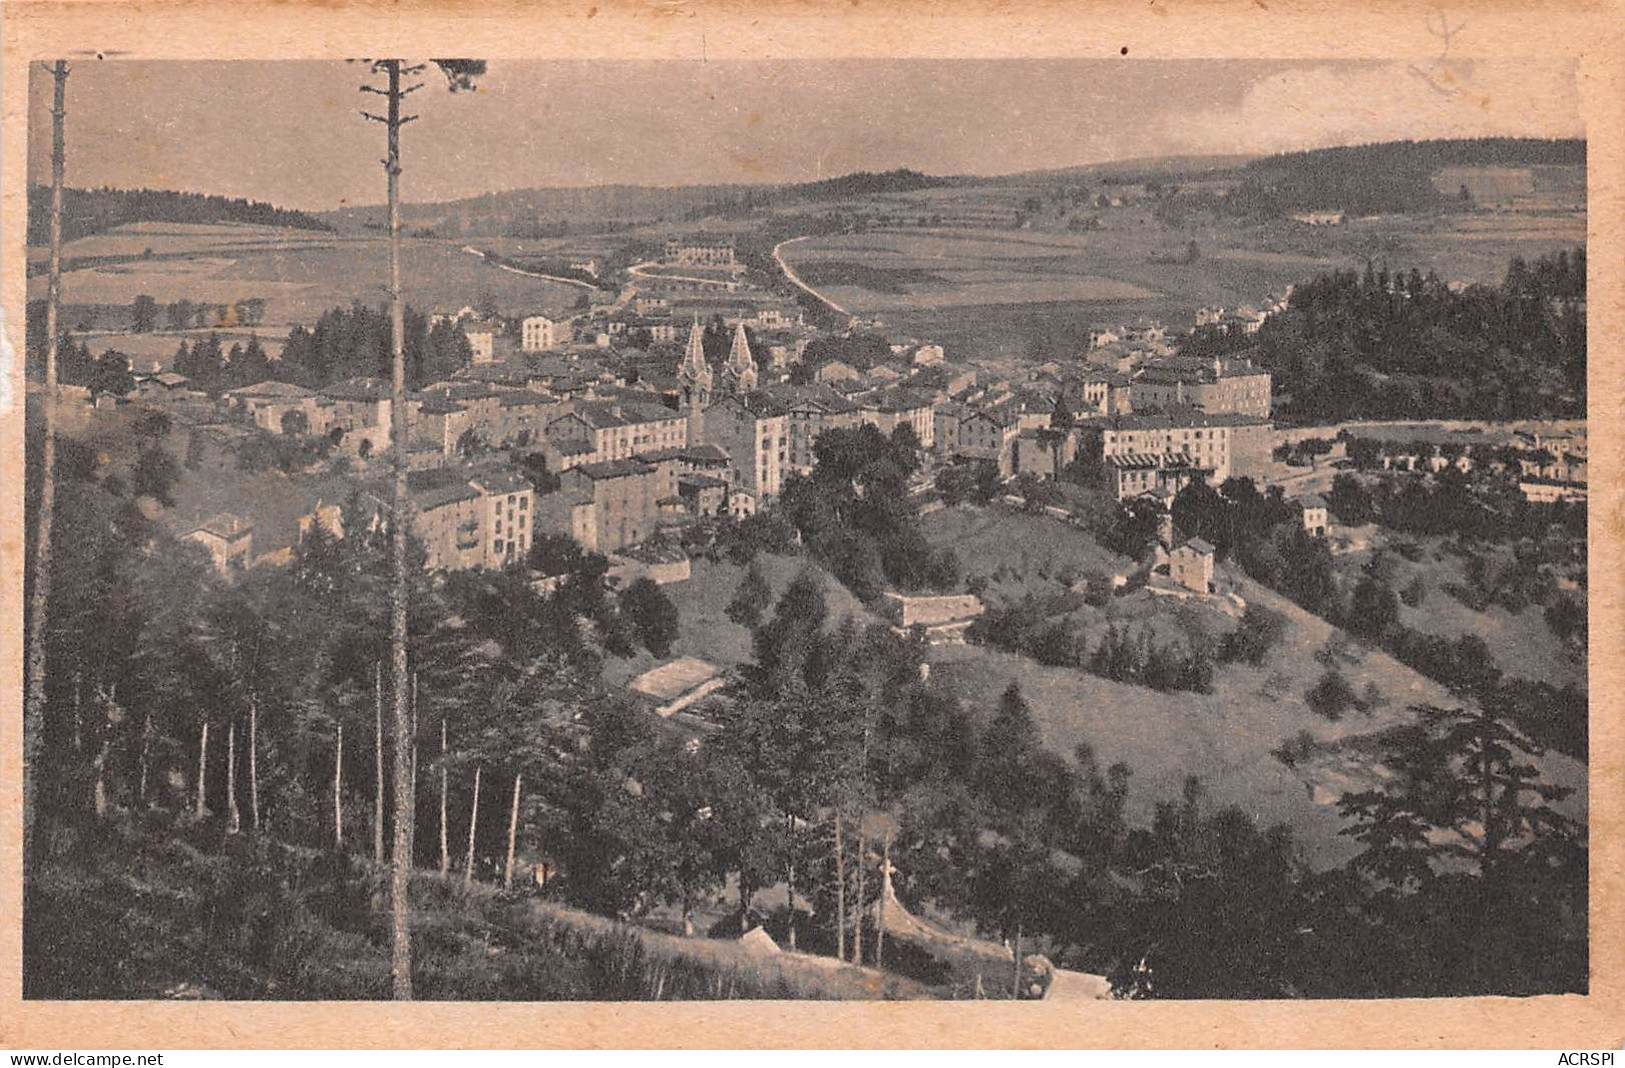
[1023,545]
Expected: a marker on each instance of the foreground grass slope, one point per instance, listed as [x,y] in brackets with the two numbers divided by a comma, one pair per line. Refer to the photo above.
[164,908]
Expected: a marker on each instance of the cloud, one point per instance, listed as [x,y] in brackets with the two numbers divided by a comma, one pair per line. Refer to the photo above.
[1351,103]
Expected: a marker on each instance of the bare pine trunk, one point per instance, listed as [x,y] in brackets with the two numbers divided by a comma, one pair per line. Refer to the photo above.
[790,873]
[101,782]
[473,827]
[840,893]
[146,760]
[253,760]
[1015,982]
[445,854]
[378,766]
[202,769]
[513,830]
[880,906]
[401,873]
[78,719]
[338,789]
[857,928]
[39,587]
[234,818]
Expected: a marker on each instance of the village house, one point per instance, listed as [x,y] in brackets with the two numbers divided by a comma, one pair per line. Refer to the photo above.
[624,500]
[1315,516]
[228,539]
[835,371]
[1106,392]
[1044,451]
[699,252]
[808,413]
[538,333]
[1218,445]
[1191,565]
[360,408]
[893,408]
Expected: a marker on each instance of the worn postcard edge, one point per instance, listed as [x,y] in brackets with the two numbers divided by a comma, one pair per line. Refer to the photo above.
[90,31]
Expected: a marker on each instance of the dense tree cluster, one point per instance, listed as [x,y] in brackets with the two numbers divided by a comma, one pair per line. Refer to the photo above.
[354,343]
[214,369]
[1452,505]
[1125,653]
[1393,346]
[855,514]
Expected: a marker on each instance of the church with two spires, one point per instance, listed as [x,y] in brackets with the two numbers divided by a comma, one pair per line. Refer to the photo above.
[727,409]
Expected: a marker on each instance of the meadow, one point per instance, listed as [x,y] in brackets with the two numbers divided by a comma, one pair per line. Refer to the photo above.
[986,291]
[1229,737]
[298,273]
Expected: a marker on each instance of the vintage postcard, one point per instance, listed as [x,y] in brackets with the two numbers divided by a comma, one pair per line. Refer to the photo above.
[1059,509]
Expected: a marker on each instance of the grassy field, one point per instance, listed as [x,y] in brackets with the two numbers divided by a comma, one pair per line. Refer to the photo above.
[1019,553]
[1523,645]
[995,291]
[1226,737]
[706,632]
[299,273]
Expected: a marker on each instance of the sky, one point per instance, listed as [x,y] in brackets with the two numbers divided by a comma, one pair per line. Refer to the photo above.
[290,132]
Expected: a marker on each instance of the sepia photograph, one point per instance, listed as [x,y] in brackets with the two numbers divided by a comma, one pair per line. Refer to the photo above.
[839,529]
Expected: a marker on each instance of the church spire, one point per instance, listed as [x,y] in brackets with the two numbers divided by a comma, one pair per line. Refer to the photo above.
[694,364]
[741,365]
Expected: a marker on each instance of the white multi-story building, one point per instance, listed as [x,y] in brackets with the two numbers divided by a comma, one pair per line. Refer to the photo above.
[538,333]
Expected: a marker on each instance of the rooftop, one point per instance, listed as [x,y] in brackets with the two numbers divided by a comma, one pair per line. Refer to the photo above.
[607,469]
[676,678]
[268,388]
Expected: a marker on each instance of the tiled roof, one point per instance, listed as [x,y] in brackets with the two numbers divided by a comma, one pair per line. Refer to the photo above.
[1180,417]
[268,388]
[225,526]
[606,469]
[357,389]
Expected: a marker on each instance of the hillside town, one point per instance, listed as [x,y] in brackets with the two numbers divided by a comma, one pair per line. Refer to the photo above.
[1155,579]
[633,449]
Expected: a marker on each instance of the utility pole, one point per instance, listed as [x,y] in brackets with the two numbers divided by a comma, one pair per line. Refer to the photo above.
[405,823]
[40,567]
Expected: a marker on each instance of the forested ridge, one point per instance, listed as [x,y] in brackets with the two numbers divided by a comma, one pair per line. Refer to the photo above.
[91,211]
[1396,176]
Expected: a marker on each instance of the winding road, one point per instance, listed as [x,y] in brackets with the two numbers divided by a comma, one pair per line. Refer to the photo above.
[472,251]
[795,279]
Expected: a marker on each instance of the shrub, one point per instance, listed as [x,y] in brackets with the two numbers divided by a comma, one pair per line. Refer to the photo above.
[1296,749]
[1332,695]
[753,597]
[648,608]
[1260,629]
